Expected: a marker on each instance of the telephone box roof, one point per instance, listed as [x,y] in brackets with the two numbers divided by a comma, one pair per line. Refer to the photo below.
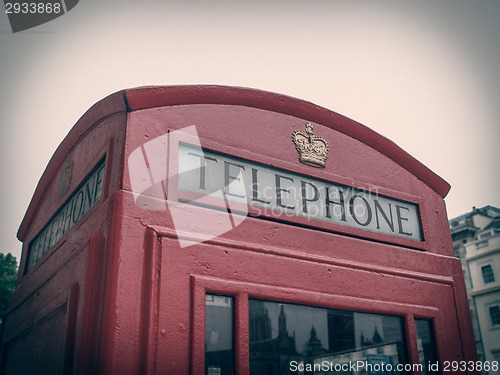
[141,98]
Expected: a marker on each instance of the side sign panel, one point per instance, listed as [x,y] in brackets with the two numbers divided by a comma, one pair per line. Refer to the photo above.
[80,202]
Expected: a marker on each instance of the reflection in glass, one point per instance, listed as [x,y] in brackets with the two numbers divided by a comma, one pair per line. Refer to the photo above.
[218,335]
[286,337]
[426,347]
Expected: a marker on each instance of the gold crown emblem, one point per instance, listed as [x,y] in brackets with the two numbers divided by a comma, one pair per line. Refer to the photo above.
[313,150]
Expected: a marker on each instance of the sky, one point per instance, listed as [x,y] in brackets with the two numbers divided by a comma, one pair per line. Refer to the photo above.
[424,74]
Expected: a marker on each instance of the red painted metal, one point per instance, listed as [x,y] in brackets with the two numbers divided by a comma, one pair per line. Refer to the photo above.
[127,299]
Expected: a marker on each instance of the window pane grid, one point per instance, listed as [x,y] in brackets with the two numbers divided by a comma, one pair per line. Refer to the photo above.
[495,315]
[488,275]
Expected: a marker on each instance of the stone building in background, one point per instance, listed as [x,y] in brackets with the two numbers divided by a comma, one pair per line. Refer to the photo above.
[476,241]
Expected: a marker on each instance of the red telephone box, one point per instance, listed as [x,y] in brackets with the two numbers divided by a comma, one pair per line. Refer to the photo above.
[221,230]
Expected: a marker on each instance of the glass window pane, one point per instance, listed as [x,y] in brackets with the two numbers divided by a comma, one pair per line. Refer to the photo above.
[488,275]
[296,339]
[495,314]
[218,335]
[426,346]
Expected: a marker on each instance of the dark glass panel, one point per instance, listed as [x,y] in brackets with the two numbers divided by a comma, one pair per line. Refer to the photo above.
[297,339]
[426,346]
[219,352]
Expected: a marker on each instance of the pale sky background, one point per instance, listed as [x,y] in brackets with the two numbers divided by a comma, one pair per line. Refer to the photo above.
[424,74]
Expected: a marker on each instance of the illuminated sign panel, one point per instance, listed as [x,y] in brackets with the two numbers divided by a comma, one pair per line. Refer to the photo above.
[274,190]
[80,202]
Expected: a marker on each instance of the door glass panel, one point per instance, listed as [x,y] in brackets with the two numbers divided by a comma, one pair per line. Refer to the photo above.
[296,339]
[426,346]
[218,335]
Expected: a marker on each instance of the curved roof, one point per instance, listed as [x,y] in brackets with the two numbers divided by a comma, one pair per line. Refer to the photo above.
[158,96]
